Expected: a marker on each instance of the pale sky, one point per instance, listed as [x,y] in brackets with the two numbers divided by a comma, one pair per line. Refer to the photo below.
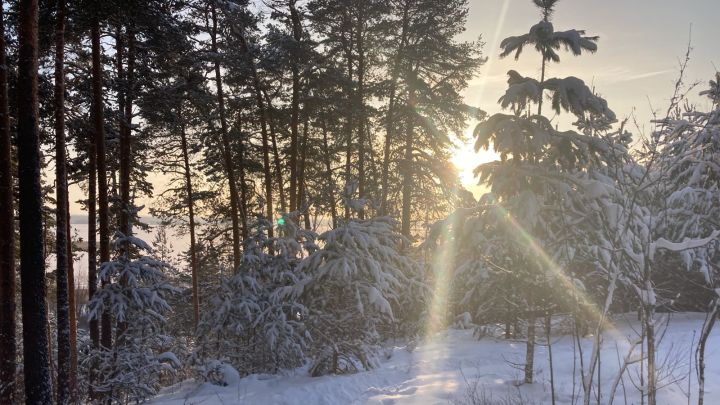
[641,44]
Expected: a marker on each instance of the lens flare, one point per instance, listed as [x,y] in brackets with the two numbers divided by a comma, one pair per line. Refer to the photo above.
[597,315]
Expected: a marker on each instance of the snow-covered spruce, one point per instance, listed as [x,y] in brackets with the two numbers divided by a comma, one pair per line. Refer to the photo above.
[136,297]
[251,321]
[353,288]
[293,301]
[557,219]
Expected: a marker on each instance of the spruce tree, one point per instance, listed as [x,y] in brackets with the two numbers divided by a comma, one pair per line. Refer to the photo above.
[514,243]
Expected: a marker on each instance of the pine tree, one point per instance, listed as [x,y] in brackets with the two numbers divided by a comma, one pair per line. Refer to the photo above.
[38,389]
[241,24]
[101,151]
[91,204]
[435,68]
[226,147]
[8,346]
[66,369]
[297,35]
[173,106]
[398,48]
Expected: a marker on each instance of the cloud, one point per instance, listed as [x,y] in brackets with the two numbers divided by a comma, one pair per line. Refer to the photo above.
[638,76]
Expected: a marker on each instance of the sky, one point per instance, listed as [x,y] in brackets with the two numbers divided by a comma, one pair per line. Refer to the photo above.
[637,63]
[635,67]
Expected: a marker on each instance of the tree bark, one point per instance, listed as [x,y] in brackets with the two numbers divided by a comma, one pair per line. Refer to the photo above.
[360,101]
[276,154]
[64,387]
[262,113]
[226,149]
[38,388]
[102,197]
[8,345]
[302,187]
[329,175]
[122,119]
[542,80]
[548,337]
[295,106]
[530,351]
[649,321]
[348,49]
[407,165]
[241,177]
[126,205]
[191,220]
[94,323]
[700,351]
[73,311]
[390,119]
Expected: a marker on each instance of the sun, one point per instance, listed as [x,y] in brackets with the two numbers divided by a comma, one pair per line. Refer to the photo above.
[466,160]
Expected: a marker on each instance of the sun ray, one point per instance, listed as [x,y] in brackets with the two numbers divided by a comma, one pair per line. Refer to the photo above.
[548,263]
[464,157]
[494,44]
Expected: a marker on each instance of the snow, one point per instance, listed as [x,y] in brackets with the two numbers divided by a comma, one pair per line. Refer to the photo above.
[169,357]
[454,364]
[687,243]
[375,298]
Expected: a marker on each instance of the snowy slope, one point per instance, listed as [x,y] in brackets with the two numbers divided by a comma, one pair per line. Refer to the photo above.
[455,365]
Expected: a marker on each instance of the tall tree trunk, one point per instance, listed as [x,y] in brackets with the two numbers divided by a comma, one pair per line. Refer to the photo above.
[360,97]
[548,338]
[408,165]
[241,176]
[61,234]
[102,197]
[262,113]
[348,48]
[227,150]
[73,311]
[542,70]
[329,175]
[302,187]
[8,346]
[295,106]
[276,155]
[50,349]
[390,118]
[94,323]
[542,80]
[707,327]
[530,351]
[651,366]
[125,151]
[191,219]
[122,119]
[38,388]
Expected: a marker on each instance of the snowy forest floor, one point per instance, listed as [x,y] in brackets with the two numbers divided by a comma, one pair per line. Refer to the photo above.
[453,367]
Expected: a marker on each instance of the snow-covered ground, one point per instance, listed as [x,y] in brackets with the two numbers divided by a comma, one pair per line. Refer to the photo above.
[454,365]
